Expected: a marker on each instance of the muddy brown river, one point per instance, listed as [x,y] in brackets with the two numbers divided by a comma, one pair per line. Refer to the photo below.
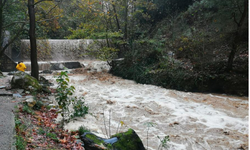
[193,121]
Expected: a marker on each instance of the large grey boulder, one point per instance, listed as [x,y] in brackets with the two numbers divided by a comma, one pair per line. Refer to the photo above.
[22,80]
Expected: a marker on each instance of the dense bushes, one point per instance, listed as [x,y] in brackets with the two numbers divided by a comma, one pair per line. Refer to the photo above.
[188,50]
[174,76]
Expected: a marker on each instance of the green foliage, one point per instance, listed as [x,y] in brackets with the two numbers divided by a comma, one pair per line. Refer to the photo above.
[102,49]
[20,143]
[80,109]
[140,60]
[104,35]
[64,98]
[18,122]
[64,91]
[94,138]
[105,53]
[161,9]
[27,109]
[197,33]
[22,127]
[53,136]
[81,34]
[82,130]
[41,131]
[124,143]
[78,34]
[38,104]
[164,142]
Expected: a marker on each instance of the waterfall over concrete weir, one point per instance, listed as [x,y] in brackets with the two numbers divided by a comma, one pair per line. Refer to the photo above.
[60,49]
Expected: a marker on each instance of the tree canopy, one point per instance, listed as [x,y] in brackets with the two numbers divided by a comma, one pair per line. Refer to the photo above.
[195,32]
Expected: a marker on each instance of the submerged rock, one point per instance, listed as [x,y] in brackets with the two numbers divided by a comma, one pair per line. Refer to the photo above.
[57,66]
[72,65]
[47,72]
[122,141]
[22,80]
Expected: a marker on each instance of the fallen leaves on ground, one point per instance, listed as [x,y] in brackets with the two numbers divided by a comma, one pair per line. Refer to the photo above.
[39,130]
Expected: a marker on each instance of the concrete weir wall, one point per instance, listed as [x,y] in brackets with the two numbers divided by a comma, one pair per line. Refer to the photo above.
[60,49]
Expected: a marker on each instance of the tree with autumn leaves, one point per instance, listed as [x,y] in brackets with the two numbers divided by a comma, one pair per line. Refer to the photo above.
[32,33]
[15,19]
[123,20]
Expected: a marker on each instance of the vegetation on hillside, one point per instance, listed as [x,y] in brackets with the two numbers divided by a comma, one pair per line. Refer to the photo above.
[190,50]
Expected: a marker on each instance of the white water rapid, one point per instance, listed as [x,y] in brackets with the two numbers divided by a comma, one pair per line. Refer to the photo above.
[193,121]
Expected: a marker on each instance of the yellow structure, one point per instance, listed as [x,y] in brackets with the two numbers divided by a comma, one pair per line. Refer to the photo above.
[21,66]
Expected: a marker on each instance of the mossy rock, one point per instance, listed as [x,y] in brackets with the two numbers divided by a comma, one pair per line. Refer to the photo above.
[123,141]
[92,142]
[128,140]
[22,80]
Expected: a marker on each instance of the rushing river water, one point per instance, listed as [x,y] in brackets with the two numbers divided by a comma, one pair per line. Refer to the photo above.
[193,121]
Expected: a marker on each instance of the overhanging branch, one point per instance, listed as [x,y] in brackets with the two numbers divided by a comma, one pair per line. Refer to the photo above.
[15,22]
[12,40]
[46,19]
[49,11]
[41,1]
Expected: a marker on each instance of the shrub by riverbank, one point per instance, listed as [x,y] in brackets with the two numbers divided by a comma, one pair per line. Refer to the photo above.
[212,78]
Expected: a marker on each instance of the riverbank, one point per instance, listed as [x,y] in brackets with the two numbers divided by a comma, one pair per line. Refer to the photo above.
[191,120]
[183,76]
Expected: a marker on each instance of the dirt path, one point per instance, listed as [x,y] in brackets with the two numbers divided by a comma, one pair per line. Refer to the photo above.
[7,121]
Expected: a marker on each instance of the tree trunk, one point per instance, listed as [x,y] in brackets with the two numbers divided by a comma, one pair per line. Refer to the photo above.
[236,37]
[116,18]
[232,53]
[126,21]
[32,32]
[1,26]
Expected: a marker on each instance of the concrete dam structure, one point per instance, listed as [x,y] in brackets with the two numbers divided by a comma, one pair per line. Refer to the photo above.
[52,54]
[60,49]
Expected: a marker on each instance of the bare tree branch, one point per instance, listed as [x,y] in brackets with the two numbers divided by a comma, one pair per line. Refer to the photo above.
[234,15]
[47,19]
[52,9]
[12,40]
[243,16]
[48,13]
[15,22]
[41,1]
[238,6]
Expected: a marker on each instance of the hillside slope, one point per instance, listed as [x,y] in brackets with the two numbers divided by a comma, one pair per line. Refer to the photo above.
[189,50]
